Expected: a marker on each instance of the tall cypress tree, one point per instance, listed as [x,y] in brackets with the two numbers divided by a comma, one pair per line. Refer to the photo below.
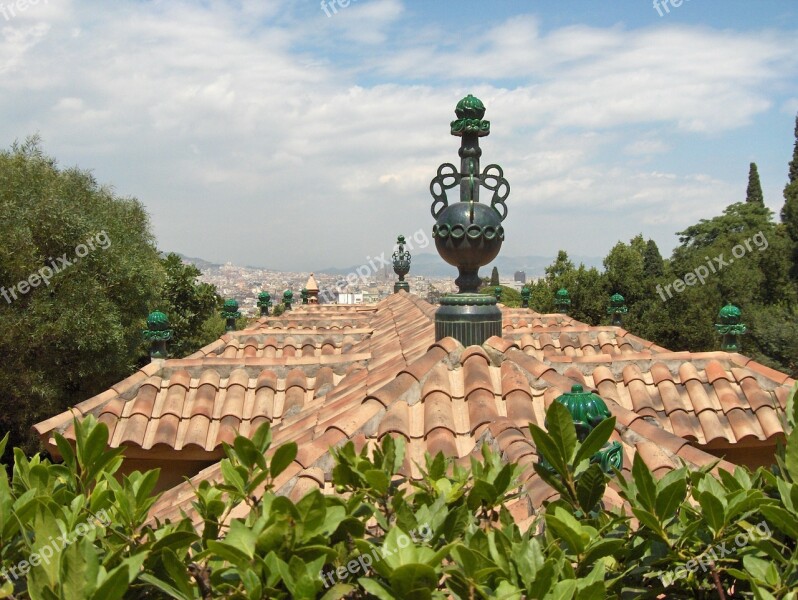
[653,265]
[494,276]
[789,212]
[754,192]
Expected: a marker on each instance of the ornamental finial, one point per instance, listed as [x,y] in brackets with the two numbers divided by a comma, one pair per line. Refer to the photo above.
[401,265]
[730,327]
[288,298]
[562,301]
[230,314]
[469,234]
[264,302]
[617,308]
[526,294]
[158,332]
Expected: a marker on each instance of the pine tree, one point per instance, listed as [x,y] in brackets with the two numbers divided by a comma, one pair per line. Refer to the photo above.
[494,276]
[754,192]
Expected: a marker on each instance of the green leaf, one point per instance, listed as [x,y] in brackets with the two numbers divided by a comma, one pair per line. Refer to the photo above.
[783,520]
[263,437]
[763,571]
[283,457]
[414,581]
[375,589]
[590,487]
[601,547]
[561,428]
[567,528]
[379,480]
[548,449]
[711,510]
[595,440]
[644,480]
[669,498]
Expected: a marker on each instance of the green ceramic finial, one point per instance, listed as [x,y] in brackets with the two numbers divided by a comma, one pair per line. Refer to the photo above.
[303,293]
[158,332]
[730,327]
[526,294]
[264,302]
[588,410]
[562,300]
[230,314]
[617,308]
[497,291]
[470,112]
[288,298]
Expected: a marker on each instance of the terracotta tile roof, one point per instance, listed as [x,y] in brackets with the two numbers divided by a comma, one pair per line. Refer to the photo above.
[383,374]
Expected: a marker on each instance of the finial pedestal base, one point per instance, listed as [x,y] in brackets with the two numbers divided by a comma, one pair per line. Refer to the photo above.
[469,318]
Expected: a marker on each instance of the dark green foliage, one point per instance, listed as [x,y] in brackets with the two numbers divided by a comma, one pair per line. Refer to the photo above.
[192,307]
[754,191]
[509,297]
[653,265]
[690,534]
[64,342]
[494,277]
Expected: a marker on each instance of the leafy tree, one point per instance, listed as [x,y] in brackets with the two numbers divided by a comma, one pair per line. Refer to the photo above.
[509,296]
[653,265]
[624,269]
[494,276]
[561,265]
[754,191]
[67,335]
[192,307]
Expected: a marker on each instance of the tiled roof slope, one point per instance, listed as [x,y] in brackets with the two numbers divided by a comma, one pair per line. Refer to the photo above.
[383,374]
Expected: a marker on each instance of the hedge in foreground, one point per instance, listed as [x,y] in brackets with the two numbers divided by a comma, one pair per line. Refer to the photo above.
[74,530]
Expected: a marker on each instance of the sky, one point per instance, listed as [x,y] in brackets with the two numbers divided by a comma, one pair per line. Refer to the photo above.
[295,135]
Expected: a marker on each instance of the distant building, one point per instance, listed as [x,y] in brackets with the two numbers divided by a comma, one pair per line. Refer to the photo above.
[350,298]
[520,276]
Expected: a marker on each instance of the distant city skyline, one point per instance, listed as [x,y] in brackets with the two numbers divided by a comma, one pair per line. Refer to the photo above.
[273,133]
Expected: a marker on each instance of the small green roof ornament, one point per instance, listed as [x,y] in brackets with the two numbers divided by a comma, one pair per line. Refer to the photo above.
[497,291]
[288,298]
[617,308]
[730,327]
[230,314]
[303,293]
[264,302]
[158,332]
[588,410]
[562,301]
[526,294]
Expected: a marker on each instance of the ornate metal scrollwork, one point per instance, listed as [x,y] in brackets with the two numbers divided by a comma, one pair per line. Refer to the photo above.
[439,184]
[499,186]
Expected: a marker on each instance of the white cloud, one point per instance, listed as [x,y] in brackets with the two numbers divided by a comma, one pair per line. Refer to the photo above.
[247,144]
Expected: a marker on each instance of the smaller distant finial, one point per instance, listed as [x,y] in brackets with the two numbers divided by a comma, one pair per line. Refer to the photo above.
[526,294]
[401,265]
[497,291]
[264,302]
[562,300]
[288,298]
[730,327]
[617,308]
[158,332]
[230,314]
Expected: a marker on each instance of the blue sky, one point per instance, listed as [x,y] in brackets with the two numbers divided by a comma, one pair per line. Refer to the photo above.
[270,134]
